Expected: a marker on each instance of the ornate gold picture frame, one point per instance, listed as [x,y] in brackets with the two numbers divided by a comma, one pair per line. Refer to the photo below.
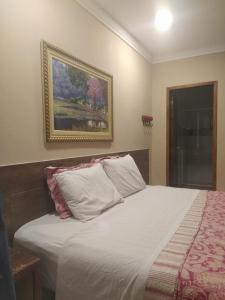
[78,98]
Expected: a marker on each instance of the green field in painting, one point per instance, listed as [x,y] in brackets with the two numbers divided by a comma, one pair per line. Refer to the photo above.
[79,116]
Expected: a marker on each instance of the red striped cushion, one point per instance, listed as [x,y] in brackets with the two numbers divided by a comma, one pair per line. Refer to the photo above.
[100,159]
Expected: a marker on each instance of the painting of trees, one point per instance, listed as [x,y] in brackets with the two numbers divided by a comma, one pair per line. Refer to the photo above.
[80,98]
[71,83]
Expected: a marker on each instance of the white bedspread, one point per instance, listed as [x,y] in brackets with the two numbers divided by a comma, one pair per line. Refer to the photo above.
[110,257]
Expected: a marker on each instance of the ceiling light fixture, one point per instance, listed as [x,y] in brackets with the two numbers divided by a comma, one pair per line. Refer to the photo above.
[163,20]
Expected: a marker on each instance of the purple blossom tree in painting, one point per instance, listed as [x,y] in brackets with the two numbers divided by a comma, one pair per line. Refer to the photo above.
[63,86]
[95,92]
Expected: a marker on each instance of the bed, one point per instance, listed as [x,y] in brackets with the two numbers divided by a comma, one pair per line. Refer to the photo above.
[161,243]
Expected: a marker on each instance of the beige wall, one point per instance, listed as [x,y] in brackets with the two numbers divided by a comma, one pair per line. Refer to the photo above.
[186,71]
[23,24]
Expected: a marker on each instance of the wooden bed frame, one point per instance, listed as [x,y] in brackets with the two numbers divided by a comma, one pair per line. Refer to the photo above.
[25,189]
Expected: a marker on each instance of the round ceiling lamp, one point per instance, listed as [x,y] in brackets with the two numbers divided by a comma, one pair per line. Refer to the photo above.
[163,20]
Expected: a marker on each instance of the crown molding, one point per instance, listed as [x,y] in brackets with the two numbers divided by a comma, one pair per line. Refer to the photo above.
[188,54]
[109,22]
[115,27]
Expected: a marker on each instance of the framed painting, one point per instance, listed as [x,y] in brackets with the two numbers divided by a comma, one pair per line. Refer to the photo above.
[77,98]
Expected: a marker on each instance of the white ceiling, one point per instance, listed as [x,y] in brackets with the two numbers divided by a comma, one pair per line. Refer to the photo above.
[198,27]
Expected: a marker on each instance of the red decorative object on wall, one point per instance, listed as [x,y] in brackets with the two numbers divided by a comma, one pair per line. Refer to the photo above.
[147,120]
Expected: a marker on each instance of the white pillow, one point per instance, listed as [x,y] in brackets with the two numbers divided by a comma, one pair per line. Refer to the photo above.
[124,174]
[87,191]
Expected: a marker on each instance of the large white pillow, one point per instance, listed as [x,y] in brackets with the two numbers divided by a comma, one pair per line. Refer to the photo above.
[87,191]
[124,174]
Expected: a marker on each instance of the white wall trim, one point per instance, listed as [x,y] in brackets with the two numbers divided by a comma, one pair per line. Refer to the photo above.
[188,54]
[108,21]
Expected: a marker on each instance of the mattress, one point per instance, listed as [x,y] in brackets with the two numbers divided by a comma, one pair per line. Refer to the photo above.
[47,235]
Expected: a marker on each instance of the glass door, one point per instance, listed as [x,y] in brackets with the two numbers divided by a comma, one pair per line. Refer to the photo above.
[191,162]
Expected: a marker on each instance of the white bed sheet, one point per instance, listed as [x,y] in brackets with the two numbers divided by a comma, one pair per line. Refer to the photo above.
[47,235]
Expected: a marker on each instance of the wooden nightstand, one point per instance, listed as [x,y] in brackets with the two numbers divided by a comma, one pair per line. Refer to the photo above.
[26,274]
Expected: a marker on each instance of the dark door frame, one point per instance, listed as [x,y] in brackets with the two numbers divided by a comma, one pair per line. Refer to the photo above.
[168,126]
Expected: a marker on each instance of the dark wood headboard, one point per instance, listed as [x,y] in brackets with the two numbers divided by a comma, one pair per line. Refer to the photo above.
[25,189]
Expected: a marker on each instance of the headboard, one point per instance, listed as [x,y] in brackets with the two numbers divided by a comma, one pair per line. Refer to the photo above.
[25,189]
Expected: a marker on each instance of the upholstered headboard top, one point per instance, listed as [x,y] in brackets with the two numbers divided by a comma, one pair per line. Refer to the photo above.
[25,189]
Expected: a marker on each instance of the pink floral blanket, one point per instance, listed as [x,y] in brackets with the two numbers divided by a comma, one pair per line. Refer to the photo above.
[202,276]
[192,265]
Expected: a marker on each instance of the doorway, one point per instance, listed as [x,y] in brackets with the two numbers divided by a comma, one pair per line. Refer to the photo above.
[192,135]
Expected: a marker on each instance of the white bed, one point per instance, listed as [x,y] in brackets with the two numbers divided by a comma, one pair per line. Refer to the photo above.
[140,228]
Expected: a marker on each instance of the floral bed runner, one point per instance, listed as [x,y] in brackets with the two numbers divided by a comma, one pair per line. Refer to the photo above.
[202,275]
[192,265]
